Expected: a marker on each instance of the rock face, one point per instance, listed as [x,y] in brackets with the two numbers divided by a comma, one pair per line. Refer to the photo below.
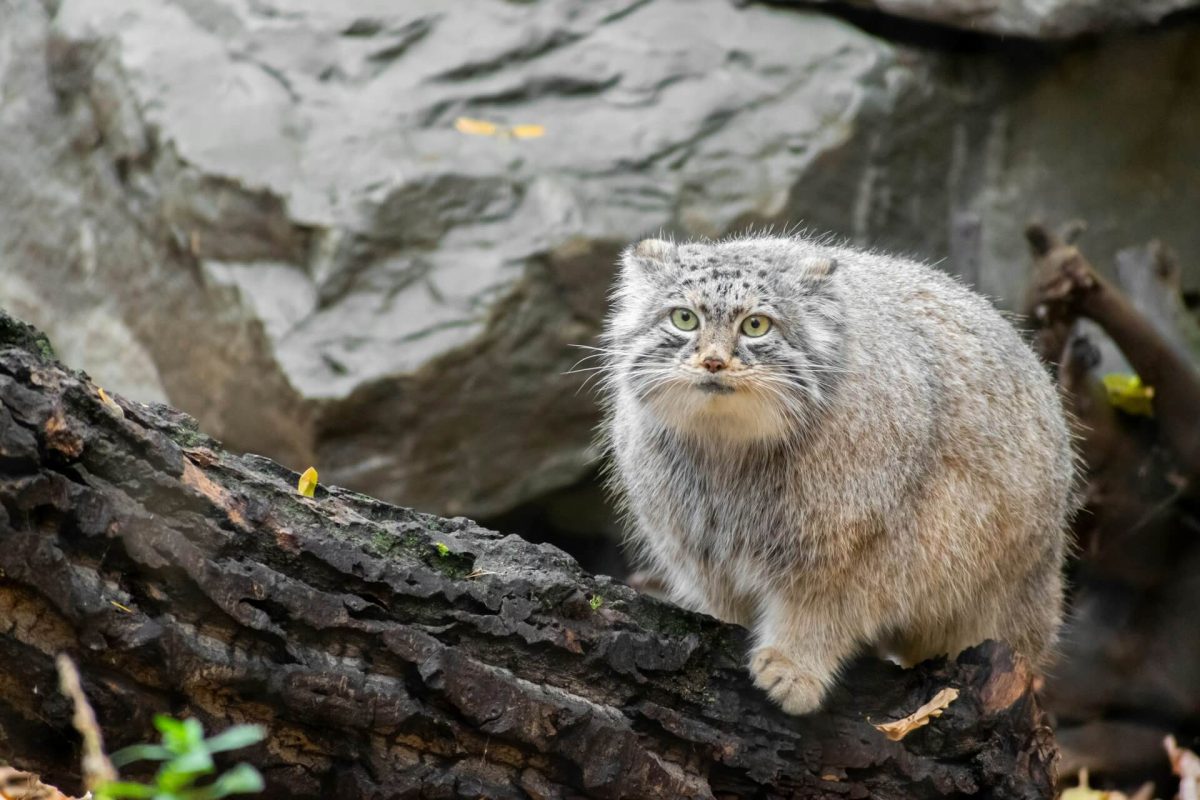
[1035,19]
[280,217]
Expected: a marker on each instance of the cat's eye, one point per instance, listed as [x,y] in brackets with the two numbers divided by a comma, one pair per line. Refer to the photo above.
[685,319]
[756,325]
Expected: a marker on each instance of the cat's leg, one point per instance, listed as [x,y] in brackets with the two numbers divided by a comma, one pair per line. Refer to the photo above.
[799,650]
[1018,614]
[681,576]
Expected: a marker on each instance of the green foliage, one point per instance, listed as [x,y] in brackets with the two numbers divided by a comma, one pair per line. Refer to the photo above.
[442,549]
[186,757]
[596,602]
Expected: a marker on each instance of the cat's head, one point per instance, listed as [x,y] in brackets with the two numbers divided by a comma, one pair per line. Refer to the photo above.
[738,340]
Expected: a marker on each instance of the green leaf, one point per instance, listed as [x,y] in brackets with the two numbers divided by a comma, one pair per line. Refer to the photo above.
[242,779]
[235,737]
[196,761]
[169,781]
[125,789]
[194,731]
[168,726]
[140,752]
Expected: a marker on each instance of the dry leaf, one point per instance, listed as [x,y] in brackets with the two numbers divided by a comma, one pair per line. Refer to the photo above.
[308,482]
[60,436]
[478,573]
[109,403]
[1186,765]
[17,785]
[902,727]
[1083,791]
[475,127]
[481,127]
[528,131]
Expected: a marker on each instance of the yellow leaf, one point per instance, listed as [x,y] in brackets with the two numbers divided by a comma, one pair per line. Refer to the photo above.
[1127,393]
[109,403]
[120,607]
[475,127]
[902,727]
[308,482]
[1083,791]
[528,131]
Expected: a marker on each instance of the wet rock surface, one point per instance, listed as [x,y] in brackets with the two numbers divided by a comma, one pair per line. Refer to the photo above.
[265,214]
[1034,19]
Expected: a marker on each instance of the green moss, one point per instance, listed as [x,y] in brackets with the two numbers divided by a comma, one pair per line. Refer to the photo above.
[383,543]
[187,437]
[671,621]
[436,555]
[186,432]
[453,565]
[18,334]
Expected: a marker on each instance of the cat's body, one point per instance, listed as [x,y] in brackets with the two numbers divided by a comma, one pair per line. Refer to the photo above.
[888,465]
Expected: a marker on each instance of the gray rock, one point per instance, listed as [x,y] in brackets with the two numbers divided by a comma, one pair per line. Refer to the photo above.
[1035,19]
[264,212]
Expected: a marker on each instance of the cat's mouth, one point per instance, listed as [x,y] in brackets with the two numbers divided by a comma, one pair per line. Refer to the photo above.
[714,385]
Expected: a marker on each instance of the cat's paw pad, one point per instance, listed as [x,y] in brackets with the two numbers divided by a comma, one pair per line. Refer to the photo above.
[797,691]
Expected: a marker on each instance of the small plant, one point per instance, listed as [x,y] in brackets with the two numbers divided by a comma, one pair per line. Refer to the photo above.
[186,757]
[596,602]
[442,549]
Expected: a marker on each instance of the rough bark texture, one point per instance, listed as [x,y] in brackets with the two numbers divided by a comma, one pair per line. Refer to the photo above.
[184,579]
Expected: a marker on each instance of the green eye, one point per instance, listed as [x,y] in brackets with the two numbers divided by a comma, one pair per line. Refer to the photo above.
[756,325]
[685,319]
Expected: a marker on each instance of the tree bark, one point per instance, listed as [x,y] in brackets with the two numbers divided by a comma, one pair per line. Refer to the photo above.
[395,654]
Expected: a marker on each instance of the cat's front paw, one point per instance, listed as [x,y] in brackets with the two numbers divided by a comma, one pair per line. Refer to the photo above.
[797,691]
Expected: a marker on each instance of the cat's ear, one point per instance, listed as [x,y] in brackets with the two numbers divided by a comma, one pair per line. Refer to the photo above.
[820,269]
[654,250]
[811,271]
[648,258]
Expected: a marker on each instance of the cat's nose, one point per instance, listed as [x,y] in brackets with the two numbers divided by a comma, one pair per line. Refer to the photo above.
[713,364]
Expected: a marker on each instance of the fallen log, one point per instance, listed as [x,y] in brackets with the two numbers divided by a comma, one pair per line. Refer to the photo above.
[395,654]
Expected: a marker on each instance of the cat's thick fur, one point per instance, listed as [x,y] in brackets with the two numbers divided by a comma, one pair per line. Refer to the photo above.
[889,466]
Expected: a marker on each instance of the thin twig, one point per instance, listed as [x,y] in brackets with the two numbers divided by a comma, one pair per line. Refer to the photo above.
[97,769]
